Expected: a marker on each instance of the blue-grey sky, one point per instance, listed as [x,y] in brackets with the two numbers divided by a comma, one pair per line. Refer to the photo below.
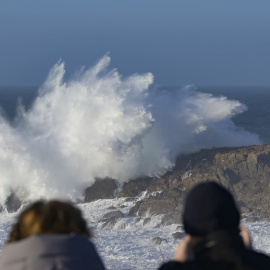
[211,42]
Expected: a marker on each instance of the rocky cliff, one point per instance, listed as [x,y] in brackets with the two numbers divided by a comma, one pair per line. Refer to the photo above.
[245,171]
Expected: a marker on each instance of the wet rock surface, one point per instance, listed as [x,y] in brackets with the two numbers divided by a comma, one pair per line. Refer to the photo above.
[110,219]
[178,235]
[245,171]
[158,241]
[134,188]
[101,189]
[114,214]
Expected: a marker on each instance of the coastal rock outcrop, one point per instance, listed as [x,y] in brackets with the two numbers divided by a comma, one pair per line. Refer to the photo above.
[245,171]
[101,189]
[109,220]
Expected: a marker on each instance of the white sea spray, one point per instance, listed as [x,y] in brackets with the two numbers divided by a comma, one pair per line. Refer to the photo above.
[99,124]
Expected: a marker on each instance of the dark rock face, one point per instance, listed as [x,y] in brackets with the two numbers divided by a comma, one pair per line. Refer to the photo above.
[110,219]
[154,205]
[146,221]
[101,189]
[134,188]
[245,171]
[178,235]
[114,214]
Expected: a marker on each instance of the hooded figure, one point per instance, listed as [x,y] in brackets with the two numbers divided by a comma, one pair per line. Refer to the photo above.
[214,238]
[50,236]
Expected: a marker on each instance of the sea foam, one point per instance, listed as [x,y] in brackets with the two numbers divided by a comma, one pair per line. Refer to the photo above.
[99,124]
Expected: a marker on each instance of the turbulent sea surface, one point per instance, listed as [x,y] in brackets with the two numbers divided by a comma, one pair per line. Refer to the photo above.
[130,245]
[55,139]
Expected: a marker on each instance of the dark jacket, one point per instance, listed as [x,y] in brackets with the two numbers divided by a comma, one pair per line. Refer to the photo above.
[222,251]
[51,252]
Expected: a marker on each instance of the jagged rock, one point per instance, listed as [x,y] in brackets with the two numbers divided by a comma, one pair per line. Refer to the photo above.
[157,184]
[110,219]
[232,177]
[134,188]
[245,171]
[113,215]
[158,240]
[146,221]
[178,235]
[138,219]
[251,219]
[101,189]
[167,220]
[154,205]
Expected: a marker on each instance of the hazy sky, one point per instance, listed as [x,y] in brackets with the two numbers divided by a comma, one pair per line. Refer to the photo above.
[210,42]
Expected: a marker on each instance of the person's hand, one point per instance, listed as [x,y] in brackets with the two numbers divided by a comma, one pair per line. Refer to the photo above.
[184,252]
[246,237]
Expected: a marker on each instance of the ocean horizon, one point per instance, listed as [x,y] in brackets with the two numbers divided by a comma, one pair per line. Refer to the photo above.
[255,119]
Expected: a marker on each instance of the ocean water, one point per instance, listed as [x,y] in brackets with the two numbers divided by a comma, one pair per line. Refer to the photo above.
[57,138]
[255,119]
[11,97]
[129,244]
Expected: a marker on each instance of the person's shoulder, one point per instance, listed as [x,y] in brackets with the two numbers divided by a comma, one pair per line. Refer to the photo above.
[257,260]
[173,265]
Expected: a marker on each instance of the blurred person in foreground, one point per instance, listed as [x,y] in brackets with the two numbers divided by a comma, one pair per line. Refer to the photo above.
[50,235]
[214,238]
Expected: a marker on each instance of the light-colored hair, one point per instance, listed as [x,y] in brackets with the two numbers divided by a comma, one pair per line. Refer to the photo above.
[52,217]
